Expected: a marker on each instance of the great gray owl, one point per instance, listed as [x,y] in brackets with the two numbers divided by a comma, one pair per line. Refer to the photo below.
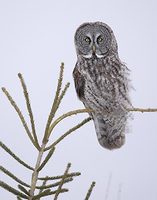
[101,82]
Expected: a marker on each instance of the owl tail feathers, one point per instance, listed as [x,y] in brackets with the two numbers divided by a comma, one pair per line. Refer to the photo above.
[109,137]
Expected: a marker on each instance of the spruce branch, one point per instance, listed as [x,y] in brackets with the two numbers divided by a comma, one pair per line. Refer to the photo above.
[42,194]
[90,191]
[53,108]
[5,148]
[36,172]
[68,133]
[47,193]
[43,184]
[23,189]
[60,177]
[12,190]
[18,198]
[59,87]
[63,92]
[67,177]
[26,95]
[46,158]
[68,114]
[54,184]
[8,173]
[62,181]
[20,115]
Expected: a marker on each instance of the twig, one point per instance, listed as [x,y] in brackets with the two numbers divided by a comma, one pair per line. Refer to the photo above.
[13,176]
[68,133]
[42,194]
[142,109]
[62,181]
[43,184]
[12,190]
[53,108]
[47,193]
[90,191]
[14,156]
[54,184]
[62,95]
[59,177]
[68,114]
[23,189]
[46,158]
[18,198]
[36,172]
[29,109]
[20,115]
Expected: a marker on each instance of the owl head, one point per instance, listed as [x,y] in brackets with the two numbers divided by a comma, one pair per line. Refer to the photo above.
[95,39]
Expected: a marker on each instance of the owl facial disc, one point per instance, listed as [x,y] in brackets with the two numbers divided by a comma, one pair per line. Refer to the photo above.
[95,40]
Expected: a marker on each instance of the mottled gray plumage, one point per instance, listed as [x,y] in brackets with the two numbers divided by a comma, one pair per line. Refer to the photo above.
[101,82]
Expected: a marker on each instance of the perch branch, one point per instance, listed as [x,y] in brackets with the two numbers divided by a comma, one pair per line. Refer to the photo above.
[142,110]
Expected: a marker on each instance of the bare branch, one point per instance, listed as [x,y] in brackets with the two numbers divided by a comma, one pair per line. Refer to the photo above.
[142,109]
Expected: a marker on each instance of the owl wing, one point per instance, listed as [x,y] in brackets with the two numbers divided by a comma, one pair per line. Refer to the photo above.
[79,83]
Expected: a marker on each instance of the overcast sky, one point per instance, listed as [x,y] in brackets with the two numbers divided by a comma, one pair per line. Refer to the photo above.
[35,37]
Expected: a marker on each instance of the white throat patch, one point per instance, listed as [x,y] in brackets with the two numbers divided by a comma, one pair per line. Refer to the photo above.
[91,55]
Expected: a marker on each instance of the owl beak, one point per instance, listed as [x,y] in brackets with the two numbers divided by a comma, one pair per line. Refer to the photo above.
[93,49]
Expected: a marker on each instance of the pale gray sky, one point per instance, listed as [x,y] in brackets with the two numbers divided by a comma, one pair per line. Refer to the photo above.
[35,37]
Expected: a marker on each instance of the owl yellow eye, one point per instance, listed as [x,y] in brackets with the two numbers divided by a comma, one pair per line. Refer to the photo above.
[99,39]
[88,40]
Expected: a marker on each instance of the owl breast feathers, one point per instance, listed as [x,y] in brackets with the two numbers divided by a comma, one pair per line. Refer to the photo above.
[101,82]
